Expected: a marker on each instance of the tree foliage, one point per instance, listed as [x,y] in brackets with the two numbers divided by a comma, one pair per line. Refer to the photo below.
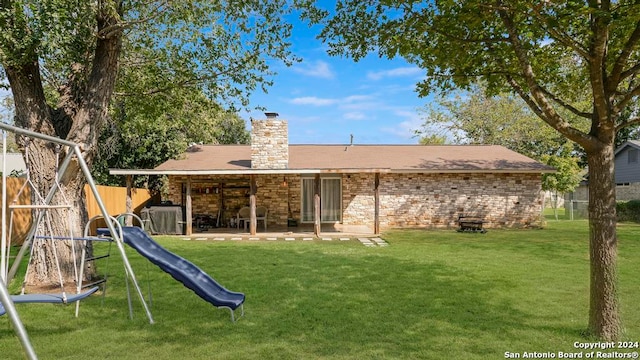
[474,117]
[547,53]
[62,60]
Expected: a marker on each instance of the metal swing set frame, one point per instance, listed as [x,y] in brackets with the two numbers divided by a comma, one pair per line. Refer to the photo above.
[6,299]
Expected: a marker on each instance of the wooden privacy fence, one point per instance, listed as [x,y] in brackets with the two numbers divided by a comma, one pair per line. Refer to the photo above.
[114,199]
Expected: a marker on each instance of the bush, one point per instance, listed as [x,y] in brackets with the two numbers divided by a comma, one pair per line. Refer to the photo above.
[628,210]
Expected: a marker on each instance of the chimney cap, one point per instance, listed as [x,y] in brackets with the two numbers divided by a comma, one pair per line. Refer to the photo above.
[271,115]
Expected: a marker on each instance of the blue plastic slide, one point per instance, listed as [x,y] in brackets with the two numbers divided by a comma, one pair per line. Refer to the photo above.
[182,270]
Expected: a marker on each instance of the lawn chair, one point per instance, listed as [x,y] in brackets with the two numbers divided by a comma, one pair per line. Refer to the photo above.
[261,214]
[244,215]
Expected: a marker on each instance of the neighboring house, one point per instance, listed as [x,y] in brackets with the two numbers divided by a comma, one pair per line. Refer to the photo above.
[627,178]
[627,170]
[15,164]
[377,186]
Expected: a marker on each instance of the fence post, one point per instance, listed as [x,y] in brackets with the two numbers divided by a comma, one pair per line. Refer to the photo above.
[571,209]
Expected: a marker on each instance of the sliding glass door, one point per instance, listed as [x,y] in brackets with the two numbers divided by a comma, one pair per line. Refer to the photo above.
[330,199]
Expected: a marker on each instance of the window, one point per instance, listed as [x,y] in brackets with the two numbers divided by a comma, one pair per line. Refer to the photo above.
[330,199]
[632,156]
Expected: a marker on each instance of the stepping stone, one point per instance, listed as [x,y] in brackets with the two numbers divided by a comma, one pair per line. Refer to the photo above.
[186,239]
[366,242]
[201,238]
[326,239]
[380,242]
[254,238]
[236,238]
[272,238]
[289,239]
[307,239]
[345,239]
[219,239]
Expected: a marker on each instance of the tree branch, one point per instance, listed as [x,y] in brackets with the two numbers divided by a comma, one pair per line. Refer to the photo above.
[559,35]
[618,68]
[120,26]
[538,101]
[630,122]
[100,85]
[630,72]
[626,99]
[565,105]
[597,68]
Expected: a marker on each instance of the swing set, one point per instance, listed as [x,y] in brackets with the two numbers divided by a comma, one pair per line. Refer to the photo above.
[41,232]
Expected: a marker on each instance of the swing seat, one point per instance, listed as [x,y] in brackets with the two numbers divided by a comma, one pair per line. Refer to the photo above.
[51,298]
[48,298]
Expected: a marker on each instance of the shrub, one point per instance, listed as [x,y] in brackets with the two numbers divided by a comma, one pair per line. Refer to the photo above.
[628,210]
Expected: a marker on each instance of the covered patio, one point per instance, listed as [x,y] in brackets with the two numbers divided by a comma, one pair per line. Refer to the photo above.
[209,204]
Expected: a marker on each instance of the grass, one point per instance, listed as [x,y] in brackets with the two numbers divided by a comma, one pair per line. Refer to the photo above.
[429,295]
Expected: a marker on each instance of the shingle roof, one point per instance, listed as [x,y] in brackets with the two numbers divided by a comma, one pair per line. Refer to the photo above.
[632,143]
[359,158]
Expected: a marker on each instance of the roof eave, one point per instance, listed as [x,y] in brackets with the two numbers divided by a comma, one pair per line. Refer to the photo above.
[323,171]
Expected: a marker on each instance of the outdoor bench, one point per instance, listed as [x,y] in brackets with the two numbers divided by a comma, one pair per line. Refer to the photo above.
[470,223]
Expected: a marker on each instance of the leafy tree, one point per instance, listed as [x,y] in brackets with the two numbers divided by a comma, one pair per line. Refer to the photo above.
[547,53]
[62,60]
[566,179]
[474,117]
[148,130]
[431,139]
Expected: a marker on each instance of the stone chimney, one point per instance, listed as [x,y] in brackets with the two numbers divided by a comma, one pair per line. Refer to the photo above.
[269,143]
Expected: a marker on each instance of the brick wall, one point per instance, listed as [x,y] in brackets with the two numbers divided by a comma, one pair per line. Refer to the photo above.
[406,200]
[436,200]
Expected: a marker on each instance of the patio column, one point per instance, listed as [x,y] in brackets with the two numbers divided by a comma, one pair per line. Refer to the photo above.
[252,205]
[376,195]
[187,230]
[316,206]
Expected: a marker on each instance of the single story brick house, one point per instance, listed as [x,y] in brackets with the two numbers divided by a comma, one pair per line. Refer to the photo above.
[376,186]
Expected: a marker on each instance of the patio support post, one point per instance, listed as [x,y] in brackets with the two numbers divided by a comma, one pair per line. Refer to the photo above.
[220,205]
[253,223]
[187,230]
[316,206]
[376,195]
[129,201]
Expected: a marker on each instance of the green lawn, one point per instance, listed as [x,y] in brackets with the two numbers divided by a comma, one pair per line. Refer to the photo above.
[429,295]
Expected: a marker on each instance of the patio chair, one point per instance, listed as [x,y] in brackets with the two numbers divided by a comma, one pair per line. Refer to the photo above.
[261,214]
[244,215]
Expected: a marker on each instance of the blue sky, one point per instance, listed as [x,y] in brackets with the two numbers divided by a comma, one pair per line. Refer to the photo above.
[325,99]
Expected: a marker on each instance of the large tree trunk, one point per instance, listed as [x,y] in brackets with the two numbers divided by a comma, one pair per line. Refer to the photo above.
[604,321]
[54,260]
[79,116]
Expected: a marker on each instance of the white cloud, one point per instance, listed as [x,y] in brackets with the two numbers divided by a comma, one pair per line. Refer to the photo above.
[318,68]
[313,100]
[397,72]
[405,129]
[354,115]
[356,98]
[349,102]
